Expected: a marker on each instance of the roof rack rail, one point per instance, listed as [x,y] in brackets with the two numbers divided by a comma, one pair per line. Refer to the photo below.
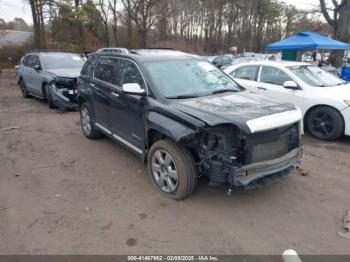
[162,48]
[139,51]
[113,50]
[48,50]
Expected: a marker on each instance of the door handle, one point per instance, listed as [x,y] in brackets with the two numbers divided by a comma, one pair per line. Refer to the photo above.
[262,88]
[115,94]
[94,86]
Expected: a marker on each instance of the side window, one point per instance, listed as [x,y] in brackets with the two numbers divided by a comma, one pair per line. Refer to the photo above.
[36,60]
[273,76]
[26,60]
[233,73]
[129,73]
[31,60]
[89,65]
[246,72]
[227,60]
[216,60]
[106,70]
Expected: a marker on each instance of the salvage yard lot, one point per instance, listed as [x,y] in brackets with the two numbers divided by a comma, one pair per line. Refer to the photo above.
[61,193]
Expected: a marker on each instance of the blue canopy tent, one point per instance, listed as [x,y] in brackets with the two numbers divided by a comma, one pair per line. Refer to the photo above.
[308,41]
[293,46]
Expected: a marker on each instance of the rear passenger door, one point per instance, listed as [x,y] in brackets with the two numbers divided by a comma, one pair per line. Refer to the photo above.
[28,72]
[247,76]
[25,70]
[103,81]
[36,76]
[127,110]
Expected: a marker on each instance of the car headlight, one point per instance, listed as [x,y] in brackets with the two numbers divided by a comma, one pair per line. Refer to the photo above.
[52,83]
[347,102]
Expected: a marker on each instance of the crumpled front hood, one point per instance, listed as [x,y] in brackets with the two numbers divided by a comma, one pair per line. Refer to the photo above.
[234,108]
[65,72]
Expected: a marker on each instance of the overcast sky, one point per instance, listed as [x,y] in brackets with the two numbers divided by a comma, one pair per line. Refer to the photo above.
[10,9]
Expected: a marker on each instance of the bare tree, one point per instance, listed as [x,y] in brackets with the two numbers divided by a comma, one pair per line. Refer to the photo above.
[81,26]
[36,7]
[128,6]
[104,12]
[113,7]
[338,17]
[143,15]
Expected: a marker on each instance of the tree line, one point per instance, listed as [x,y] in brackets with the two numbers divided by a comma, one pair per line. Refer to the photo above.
[209,26]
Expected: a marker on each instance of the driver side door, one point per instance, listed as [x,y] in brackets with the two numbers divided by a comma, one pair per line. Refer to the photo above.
[127,110]
[271,82]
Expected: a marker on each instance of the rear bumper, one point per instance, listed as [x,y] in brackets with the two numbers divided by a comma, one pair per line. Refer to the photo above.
[266,172]
[61,99]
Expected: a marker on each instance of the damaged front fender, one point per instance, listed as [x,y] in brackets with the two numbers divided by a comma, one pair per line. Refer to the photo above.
[169,127]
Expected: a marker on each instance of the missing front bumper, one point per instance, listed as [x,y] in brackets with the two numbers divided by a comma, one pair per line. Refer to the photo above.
[64,97]
[266,172]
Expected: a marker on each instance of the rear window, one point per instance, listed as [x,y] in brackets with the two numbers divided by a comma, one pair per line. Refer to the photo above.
[246,72]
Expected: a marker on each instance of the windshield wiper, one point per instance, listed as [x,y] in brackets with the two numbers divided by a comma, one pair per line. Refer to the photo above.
[220,91]
[181,97]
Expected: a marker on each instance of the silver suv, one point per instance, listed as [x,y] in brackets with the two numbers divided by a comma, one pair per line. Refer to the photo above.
[51,76]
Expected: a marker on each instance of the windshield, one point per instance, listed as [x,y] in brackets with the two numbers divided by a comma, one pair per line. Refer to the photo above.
[315,76]
[189,78]
[62,60]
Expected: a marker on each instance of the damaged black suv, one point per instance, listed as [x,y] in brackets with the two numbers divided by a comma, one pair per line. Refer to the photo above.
[187,119]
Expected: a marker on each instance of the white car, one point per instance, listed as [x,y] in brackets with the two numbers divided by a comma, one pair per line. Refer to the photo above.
[323,98]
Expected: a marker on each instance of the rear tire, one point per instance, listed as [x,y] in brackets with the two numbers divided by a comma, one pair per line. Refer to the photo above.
[172,169]
[87,124]
[325,123]
[24,90]
[49,98]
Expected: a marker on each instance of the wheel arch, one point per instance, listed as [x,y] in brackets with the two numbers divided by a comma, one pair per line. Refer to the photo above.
[81,100]
[159,126]
[340,130]
[320,105]
[43,89]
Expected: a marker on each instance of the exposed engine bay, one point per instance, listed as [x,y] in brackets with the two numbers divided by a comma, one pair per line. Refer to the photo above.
[225,155]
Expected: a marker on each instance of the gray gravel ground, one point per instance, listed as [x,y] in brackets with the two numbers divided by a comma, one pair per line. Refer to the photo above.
[61,193]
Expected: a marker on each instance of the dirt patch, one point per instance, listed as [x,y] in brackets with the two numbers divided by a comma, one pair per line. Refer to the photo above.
[61,193]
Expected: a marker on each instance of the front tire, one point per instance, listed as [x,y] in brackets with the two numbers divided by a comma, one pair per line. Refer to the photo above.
[325,123]
[49,98]
[87,124]
[172,169]
[24,90]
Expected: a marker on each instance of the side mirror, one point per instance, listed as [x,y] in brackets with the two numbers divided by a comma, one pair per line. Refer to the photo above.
[37,67]
[133,89]
[290,85]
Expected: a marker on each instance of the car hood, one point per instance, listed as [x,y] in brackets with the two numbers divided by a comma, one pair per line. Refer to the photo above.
[243,109]
[65,72]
